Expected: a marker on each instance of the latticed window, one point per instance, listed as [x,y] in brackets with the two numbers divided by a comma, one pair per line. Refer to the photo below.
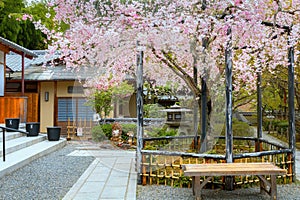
[74,109]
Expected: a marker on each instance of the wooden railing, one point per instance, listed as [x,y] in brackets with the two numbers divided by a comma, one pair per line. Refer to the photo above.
[163,166]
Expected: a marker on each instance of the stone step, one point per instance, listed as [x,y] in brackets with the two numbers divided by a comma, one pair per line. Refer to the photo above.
[11,135]
[22,157]
[20,143]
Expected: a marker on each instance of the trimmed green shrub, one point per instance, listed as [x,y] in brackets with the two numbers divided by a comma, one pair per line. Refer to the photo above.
[104,131]
[162,131]
[126,128]
[107,130]
[101,132]
[129,127]
[240,129]
[252,119]
[97,134]
[282,127]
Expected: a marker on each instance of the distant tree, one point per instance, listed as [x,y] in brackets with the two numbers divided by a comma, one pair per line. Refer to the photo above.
[101,99]
[23,32]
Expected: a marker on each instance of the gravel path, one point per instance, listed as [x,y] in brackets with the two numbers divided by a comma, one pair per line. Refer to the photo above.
[46,178]
[52,176]
[285,192]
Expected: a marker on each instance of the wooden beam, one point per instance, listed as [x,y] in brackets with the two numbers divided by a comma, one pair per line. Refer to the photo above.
[4,48]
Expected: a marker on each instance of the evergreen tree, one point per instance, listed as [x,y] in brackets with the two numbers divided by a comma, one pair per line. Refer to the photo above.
[20,31]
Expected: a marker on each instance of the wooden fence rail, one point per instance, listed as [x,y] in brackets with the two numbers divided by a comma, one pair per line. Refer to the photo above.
[164,166]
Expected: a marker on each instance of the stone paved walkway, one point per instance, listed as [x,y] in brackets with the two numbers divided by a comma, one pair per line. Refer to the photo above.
[111,176]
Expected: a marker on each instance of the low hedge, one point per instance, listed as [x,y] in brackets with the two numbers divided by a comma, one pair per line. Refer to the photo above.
[280,125]
[104,131]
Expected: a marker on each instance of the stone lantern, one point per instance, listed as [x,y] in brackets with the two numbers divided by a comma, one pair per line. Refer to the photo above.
[176,116]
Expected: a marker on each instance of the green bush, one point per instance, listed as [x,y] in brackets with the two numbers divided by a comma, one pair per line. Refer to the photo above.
[129,127]
[98,134]
[252,119]
[162,131]
[126,128]
[171,132]
[280,125]
[107,130]
[240,129]
[104,131]
[153,111]
[101,132]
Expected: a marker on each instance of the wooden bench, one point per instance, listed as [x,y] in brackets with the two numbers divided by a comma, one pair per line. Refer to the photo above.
[234,169]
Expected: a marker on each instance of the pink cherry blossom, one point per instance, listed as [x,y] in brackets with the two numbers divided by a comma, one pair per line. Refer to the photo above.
[104,36]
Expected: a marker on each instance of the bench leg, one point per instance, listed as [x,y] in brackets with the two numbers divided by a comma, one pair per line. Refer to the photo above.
[197,187]
[273,192]
[264,184]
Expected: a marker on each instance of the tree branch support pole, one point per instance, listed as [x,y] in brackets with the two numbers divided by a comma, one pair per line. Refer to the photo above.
[259,109]
[228,132]
[291,96]
[195,115]
[139,101]
[204,124]
[203,116]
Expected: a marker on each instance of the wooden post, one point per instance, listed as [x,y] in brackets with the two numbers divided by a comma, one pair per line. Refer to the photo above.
[259,109]
[203,116]
[228,133]
[291,96]
[203,140]
[195,114]
[23,74]
[139,103]
[290,166]
[144,179]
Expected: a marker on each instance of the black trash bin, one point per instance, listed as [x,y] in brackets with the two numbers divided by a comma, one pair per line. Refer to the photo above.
[33,128]
[12,123]
[53,133]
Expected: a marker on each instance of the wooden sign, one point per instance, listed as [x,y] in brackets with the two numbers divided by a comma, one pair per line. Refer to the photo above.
[79,131]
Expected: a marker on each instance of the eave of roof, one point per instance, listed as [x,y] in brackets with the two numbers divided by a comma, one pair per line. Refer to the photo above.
[57,73]
[17,48]
[14,60]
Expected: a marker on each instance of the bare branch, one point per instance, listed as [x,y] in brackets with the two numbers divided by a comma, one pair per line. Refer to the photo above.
[178,71]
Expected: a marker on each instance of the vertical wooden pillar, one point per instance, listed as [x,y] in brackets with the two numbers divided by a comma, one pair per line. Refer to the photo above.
[23,74]
[139,102]
[259,109]
[195,113]
[203,116]
[204,95]
[291,96]
[228,130]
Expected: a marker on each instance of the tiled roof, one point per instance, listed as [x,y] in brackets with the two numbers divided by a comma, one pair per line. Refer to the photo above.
[14,61]
[17,48]
[56,73]
[35,71]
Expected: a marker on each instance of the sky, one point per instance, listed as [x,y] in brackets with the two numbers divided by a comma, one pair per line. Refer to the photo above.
[30,1]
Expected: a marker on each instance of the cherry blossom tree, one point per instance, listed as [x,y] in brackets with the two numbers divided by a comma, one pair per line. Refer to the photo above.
[104,34]
[176,37]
